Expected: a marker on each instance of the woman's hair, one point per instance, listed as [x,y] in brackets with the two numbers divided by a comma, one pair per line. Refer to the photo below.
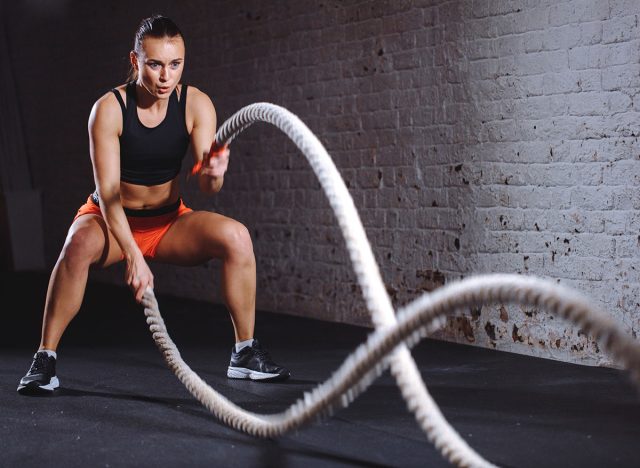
[155,26]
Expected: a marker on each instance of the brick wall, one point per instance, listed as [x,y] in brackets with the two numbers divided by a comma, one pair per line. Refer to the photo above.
[474,136]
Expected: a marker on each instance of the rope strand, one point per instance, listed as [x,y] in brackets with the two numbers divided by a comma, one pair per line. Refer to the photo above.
[388,346]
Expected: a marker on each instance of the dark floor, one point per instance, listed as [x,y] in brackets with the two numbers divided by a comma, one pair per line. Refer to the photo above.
[120,406]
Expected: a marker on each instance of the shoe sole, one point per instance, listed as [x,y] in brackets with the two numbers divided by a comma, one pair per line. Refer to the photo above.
[32,388]
[244,373]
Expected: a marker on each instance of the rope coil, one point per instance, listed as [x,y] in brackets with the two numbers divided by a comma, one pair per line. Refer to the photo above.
[388,346]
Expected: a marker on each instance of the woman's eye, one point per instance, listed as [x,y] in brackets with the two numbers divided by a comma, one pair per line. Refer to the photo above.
[175,65]
[153,66]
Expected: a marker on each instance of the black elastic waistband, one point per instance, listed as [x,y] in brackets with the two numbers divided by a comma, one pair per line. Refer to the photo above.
[144,213]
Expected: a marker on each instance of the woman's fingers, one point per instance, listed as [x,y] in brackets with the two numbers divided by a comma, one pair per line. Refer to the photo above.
[139,277]
[140,292]
[139,288]
[217,165]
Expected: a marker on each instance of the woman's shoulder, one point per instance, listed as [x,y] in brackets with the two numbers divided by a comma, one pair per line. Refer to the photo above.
[198,101]
[196,95]
[107,105]
[108,99]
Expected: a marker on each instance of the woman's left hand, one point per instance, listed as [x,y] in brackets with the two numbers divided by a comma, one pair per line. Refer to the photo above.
[214,164]
[212,169]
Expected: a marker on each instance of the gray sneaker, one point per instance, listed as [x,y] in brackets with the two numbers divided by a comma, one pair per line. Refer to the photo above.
[253,362]
[41,377]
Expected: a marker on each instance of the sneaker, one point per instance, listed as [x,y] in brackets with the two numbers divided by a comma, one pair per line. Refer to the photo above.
[41,377]
[253,362]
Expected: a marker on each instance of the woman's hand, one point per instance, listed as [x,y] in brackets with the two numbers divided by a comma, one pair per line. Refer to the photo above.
[212,169]
[138,275]
[215,163]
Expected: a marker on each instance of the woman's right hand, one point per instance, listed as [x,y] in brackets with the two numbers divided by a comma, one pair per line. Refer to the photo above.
[138,275]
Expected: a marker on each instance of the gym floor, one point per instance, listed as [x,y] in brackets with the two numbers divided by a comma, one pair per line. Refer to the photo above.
[119,405]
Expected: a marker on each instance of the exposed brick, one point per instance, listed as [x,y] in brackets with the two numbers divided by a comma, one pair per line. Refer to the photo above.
[474,136]
[621,29]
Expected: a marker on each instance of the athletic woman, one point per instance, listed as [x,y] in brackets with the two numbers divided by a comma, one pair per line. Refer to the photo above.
[139,133]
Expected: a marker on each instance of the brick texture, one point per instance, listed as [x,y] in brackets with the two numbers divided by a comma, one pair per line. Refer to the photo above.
[474,136]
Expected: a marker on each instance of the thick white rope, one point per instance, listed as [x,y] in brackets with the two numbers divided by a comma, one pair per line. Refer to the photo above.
[385,347]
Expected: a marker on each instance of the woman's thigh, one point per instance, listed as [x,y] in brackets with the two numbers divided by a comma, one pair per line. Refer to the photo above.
[90,236]
[199,236]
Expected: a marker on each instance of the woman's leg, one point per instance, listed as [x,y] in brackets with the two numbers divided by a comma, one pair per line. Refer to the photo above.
[199,236]
[88,242]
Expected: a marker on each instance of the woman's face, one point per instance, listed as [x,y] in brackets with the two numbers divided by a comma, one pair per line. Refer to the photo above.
[159,64]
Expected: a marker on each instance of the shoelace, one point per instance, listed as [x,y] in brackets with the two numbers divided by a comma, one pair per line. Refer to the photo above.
[39,364]
[263,354]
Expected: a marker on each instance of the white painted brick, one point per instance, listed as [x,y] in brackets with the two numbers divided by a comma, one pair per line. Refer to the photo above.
[624,7]
[572,82]
[626,198]
[621,77]
[481,8]
[480,49]
[621,29]
[591,33]
[592,198]
[625,172]
[531,19]
[615,222]
[576,11]
[544,107]
[627,246]
[562,37]
[542,62]
[482,28]
[602,56]
[598,103]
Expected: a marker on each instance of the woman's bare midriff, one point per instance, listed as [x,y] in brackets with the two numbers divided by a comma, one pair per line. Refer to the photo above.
[141,197]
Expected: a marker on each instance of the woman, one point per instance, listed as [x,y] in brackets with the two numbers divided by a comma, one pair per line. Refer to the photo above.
[138,134]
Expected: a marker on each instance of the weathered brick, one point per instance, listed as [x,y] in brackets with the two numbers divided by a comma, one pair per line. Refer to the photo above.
[474,136]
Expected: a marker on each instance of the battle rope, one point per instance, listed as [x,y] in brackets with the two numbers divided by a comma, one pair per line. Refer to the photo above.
[388,345]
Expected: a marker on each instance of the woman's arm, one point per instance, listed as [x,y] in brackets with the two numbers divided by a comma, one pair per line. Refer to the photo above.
[105,122]
[211,173]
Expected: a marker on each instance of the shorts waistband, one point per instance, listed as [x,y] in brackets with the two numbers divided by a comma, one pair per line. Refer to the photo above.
[144,213]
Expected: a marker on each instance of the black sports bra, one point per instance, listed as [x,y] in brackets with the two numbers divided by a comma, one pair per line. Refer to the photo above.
[152,156]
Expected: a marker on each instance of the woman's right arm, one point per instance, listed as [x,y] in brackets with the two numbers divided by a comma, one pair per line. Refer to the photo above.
[105,123]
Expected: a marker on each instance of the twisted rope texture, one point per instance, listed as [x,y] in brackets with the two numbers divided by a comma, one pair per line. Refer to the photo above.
[388,346]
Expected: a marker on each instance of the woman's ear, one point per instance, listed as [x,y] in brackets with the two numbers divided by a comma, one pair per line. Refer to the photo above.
[133,58]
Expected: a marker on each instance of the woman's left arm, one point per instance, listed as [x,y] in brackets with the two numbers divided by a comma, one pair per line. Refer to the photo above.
[213,167]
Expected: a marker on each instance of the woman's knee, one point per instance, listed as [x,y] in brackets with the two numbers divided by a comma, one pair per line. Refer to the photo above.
[84,245]
[238,244]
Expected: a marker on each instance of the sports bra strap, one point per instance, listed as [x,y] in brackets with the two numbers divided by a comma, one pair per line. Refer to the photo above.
[119,98]
[183,99]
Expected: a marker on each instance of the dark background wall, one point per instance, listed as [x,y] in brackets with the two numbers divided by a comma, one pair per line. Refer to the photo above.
[474,136]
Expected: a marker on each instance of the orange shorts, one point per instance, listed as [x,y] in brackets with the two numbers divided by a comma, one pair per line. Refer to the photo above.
[147,227]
